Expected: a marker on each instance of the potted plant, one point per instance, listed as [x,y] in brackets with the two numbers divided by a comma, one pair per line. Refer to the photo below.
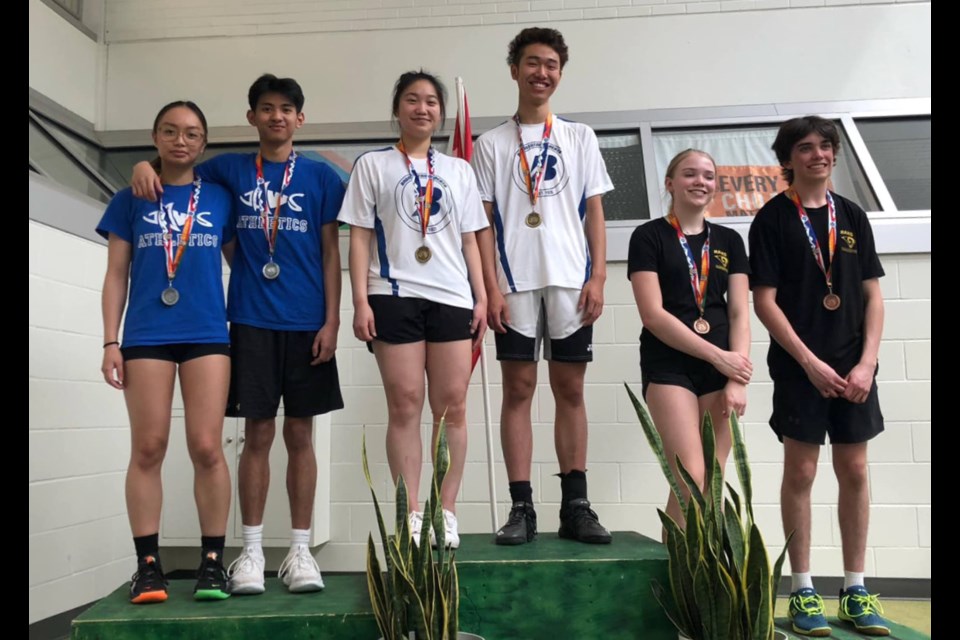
[721,585]
[419,593]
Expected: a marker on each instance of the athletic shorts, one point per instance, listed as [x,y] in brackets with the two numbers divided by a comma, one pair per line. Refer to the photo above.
[269,365]
[405,320]
[178,352]
[801,413]
[547,316]
[697,376]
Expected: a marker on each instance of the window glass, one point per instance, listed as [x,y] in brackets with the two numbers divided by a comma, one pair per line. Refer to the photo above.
[900,147]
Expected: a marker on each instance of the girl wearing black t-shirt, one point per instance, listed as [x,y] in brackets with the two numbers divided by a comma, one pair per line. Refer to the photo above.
[690,282]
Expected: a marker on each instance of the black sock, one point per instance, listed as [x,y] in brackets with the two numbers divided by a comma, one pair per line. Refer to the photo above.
[521,491]
[147,546]
[573,485]
[212,543]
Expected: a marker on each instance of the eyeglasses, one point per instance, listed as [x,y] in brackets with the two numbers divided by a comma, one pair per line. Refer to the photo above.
[190,136]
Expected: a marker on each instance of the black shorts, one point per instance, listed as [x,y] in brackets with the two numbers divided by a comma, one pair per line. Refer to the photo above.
[577,347]
[405,320]
[178,352]
[698,376]
[269,364]
[801,413]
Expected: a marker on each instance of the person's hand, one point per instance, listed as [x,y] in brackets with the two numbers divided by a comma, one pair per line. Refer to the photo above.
[590,303]
[498,315]
[146,183]
[859,382]
[734,366]
[478,326]
[324,344]
[825,379]
[363,324]
[112,366]
[733,399]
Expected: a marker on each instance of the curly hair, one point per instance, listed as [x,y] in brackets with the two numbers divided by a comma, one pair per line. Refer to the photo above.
[537,35]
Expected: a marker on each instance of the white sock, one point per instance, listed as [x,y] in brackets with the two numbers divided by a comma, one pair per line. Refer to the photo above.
[852,579]
[253,540]
[299,537]
[801,581]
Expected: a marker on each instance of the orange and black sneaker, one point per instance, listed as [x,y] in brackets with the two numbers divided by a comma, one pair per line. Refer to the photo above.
[148,584]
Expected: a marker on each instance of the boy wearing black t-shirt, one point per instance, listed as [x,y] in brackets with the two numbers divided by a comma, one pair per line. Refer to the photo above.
[815,280]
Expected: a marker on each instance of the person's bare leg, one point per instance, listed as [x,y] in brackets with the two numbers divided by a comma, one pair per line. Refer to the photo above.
[850,466]
[799,472]
[516,429]
[301,469]
[448,375]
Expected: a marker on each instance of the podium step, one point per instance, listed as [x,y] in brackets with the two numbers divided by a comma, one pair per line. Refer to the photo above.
[552,589]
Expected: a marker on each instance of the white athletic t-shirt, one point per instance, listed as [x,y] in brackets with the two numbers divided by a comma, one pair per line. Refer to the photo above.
[555,254]
[381,195]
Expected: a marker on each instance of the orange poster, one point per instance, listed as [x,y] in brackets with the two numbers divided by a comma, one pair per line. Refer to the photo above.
[743,189]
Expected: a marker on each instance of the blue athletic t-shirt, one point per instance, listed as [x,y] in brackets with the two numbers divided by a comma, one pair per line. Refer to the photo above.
[295,301]
[200,315]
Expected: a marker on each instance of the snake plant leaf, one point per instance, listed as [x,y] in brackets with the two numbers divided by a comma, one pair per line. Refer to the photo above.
[669,608]
[656,444]
[681,577]
[692,485]
[735,497]
[734,539]
[742,464]
[760,604]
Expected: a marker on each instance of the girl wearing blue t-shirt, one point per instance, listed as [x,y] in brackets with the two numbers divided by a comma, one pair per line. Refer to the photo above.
[166,255]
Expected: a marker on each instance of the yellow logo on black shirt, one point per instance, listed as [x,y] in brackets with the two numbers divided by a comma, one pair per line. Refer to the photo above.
[849,242]
[721,258]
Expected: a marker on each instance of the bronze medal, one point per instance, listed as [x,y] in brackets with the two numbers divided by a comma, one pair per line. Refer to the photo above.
[831,302]
[271,271]
[423,254]
[170,296]
[533,220]
[701,326]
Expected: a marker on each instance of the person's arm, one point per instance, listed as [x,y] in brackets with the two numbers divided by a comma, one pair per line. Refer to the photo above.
[591,296]
[671,331]
[497,312]
[860,378]
[229,249]
[112,302]
[325,342]
[471,254]
[821,375]
[146,180]
[738,316]
[363,321]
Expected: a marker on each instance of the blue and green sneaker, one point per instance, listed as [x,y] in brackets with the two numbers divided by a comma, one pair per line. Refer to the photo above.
[806,613]
[863,610]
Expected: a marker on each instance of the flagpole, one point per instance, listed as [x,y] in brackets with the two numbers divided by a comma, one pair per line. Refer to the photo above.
[462,148]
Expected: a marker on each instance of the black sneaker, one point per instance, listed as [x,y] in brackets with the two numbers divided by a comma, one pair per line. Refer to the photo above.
[579,522]
[521,525]
[211,579]
[148,584]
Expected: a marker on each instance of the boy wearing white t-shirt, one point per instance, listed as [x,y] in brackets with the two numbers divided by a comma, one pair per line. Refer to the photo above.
[541,180]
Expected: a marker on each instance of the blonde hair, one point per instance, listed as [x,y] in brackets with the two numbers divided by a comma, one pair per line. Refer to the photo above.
[680,157]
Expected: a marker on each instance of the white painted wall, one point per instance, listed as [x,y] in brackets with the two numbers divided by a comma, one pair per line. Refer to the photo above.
[63,62]
[727,58]
[80,549]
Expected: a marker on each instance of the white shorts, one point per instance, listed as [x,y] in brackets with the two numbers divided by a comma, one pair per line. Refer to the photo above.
[549,312]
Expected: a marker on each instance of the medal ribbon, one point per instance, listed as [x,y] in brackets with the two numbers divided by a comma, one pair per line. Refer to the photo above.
[697,281]
[270,230]
[424,202]
[173,262]
[534,176]
[812,236]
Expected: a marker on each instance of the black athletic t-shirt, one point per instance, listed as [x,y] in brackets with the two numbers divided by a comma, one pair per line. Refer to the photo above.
[780,257]
[654,247]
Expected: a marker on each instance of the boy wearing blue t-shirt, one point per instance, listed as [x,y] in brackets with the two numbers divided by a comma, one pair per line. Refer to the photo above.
[283,304]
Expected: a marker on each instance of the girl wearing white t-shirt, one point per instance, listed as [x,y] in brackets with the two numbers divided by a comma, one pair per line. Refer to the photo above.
[418,294]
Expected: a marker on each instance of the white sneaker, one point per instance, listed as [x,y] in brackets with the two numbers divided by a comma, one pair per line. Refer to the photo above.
[415,518]
[299,571]
[246,574]
[451,537]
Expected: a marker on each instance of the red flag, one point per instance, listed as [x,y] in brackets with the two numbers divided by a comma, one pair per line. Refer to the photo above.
[461,146]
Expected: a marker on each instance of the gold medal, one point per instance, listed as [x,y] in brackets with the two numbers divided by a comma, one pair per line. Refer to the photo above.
[831,301]
[533,220]
[701,326]
[423,254]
